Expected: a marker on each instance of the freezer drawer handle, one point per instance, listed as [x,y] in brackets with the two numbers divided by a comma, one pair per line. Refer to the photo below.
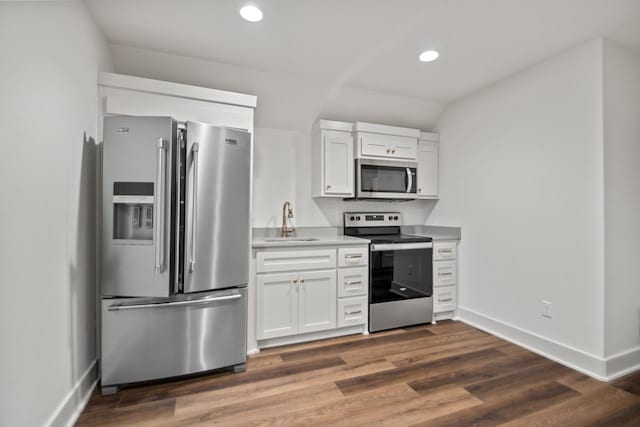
[174,304]
[160,207]
[194,214]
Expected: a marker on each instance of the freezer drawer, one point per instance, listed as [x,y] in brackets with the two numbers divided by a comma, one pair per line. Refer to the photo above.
[146,340]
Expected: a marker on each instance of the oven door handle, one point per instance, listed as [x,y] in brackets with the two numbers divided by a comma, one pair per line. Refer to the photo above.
[377,247]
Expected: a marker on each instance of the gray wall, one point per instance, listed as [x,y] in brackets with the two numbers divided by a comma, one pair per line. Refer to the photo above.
[522,174]
[622,201]
[51,53]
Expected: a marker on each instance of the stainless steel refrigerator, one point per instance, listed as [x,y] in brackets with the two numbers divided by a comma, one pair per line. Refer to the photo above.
[175,249]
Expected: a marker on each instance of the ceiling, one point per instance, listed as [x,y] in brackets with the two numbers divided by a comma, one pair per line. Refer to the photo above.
[373,44]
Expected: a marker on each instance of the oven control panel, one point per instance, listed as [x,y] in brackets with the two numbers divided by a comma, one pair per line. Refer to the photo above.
[372,219]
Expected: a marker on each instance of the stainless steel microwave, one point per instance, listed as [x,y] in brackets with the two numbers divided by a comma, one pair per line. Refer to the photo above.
[385,179]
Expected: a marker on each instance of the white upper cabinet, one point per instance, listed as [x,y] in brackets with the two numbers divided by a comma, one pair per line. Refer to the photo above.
[388,142]
[332,160]
[428,167]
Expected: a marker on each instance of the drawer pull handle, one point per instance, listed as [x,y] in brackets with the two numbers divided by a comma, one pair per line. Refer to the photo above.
[353,312]
[449,273]
[445,251]
[359,282]
[445,300]
[353,256]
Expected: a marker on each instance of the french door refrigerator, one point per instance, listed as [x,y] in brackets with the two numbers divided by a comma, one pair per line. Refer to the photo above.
[175,249]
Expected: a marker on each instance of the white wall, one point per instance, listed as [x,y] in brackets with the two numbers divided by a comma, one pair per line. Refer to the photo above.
[522,170]
[622,200]
[287,108]
[48,112]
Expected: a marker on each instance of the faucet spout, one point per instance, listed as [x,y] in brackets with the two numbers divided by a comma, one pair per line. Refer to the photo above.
[287,212]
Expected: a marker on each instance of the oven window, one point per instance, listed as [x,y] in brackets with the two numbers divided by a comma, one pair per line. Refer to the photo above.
[401,274]
[384,179]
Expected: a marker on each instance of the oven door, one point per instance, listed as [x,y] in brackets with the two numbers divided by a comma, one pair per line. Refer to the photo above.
[383,179]
[400,271]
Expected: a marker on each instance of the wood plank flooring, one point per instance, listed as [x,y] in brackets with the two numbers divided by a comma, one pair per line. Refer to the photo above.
[449,374]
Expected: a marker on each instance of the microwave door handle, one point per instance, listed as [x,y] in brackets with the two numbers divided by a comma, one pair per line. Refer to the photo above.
[409,180]
[194,206]
[159,207]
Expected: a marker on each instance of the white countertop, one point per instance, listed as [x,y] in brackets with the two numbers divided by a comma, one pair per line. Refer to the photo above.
[437,233]
[324,236]
[332,236]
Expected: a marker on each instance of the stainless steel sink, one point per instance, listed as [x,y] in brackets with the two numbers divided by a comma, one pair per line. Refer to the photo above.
[291,239]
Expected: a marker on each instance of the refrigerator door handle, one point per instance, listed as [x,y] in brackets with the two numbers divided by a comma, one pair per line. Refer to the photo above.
[194,208]
[116,307]
[159,208]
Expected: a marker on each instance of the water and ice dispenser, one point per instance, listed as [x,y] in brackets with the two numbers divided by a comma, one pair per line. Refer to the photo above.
[133,213]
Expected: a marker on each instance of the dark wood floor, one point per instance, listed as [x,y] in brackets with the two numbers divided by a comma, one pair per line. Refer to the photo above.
[448,374]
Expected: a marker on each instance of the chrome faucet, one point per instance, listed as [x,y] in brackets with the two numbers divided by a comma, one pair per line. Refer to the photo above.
[287,212]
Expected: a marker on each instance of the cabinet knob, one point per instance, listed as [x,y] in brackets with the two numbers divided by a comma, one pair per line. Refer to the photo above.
[388,151]
[295,280]
[328,187]
[393,151]
[302,280]
[419,190]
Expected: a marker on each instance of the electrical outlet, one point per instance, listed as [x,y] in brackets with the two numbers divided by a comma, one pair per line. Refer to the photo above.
[546,309]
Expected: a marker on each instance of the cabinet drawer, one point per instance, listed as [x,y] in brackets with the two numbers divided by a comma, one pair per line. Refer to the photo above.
[352,257]
[444,250]
[352,311]
[444,273]
[444,299]
[353,282]
[318,259]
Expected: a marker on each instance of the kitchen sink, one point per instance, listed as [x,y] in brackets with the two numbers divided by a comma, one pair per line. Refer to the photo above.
[291,239]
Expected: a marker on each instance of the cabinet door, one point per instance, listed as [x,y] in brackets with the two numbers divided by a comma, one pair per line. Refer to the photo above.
[403,147]
[427,170]
[338,164]
[317,301]
[372,144]
[277,305]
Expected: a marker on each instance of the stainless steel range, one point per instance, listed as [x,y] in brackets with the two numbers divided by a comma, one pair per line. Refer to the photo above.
[400,276]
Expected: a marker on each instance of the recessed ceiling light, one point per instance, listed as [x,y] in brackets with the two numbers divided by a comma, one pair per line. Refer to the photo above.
[429,55]
[251,13]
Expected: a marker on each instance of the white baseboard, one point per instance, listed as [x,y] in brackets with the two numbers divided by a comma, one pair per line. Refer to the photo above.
[295,339]
[623,363]
[69,410]
[573,358]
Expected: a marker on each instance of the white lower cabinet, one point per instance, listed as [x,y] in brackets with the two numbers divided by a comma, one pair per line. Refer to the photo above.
[293,298]
[296,303]
[445,279]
